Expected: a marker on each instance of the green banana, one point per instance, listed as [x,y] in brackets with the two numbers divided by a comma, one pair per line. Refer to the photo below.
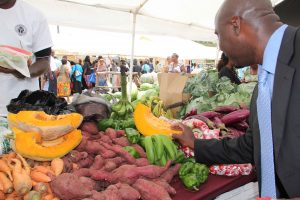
[163,159]
[129,108]
[155,111]
[158,145]
[168,145]
[122,111]
[116,107]
[149,149]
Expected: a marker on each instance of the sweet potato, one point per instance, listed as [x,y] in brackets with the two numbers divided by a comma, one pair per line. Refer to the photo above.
[68,165]
[87,162]
[109,166]
[111,192]
[152,171]
[127,192]
[140,162]
[122,141]
[101,175]
[108,154]
[170,173]
[151,191]
[124,174]
[86,172]
[76,156]
[121,152]
[140,150]
[83,144]
[88,182]
[117,160]
[120,133]
[68,187]
[90,127]
[2,195]
[106,139]
[98,162]
[163,183]
[111,133]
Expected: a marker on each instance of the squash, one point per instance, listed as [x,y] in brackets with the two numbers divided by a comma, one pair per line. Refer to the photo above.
[147,124]
[29,145]
[50,127]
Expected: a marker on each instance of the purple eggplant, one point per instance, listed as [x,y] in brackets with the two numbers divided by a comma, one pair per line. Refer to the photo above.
[226,109]
[236,116]
[219,124]
[191,113]
[233,133]
[209,123]
[210,114]
[242,126]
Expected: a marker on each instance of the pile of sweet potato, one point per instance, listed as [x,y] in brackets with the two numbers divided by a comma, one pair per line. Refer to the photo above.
[99,168]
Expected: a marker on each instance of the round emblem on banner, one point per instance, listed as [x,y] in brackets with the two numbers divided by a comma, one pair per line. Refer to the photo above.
[21,29]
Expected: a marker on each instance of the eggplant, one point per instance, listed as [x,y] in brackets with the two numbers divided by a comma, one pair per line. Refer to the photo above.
[219,124]
[236,116]
[226,109]
[210,114]
[209,123]
[242,126]
[191,113]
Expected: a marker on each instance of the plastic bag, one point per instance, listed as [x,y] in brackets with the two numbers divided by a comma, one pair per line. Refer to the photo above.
[39,100]
[15,58]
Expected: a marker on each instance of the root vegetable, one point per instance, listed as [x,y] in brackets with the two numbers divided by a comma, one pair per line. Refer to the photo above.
[22,181]
[101,175]
[48,197]
[13,196]
[111,192]
[68,165]
[2,195]
[90,127]
[117,160]
[127,192]
[42,169]
[68,187]
[25,164]
[32,195]
[151,191]
[5,168]
[163,183]
[75,166]
[39,177]
[111,133]
[121,152]
[108,154]
[9,155]
[152,171]
[122,141]
[106,139]
[76,156]
[57,166]
[82,145]
[98,162]
[109,166]
[140,150]
[170,173]
[89,183]
[87,162]
[140,162]
[82,172]
[120,133]
[41,188]
[6,183]
[124,174]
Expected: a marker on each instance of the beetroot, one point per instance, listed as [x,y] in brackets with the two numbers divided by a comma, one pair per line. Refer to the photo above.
[163,183]
[140,162]
[236,116]
[127,192]
[226,109]
[151,191]
[68,187]
[122,141]
[90,127]
[170,173]
[98,162]
[111,133]
[140,150]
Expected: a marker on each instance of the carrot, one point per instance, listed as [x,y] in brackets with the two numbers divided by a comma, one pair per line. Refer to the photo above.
[33,183]
[25,164]
[9,155]
[4,168]
[1,187]
[2,195]
[6,183]
[39,177]
[43,169]
[22,181]
[57,166]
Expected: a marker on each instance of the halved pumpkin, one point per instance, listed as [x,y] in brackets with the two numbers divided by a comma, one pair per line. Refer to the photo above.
[29,145]
[50,127]
[147,124]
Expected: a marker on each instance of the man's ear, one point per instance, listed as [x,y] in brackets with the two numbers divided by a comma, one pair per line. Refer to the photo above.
[236,24]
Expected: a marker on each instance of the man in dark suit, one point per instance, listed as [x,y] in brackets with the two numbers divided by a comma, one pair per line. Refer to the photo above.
[250,32]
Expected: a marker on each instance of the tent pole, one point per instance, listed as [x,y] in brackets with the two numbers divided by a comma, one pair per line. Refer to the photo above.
[132,54]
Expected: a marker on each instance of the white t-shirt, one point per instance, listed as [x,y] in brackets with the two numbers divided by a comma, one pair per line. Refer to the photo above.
[22,26]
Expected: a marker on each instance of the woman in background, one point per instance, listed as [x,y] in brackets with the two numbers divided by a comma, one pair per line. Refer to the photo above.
[63,80]
[87,65]
[226,68]
[102,78]
[76,76]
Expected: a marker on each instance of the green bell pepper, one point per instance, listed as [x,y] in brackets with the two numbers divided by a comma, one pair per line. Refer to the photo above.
[128,123]
[193,174]
[105,123]
[132,135]
[132,151]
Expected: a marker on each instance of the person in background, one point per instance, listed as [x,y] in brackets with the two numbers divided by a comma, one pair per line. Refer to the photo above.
[102,78]
[141,63]
[87,70]
[68,62]
[76,76]
[63,81]
[151,65]
[136,68]
[146,67]
[158,66]
[80,62]
[226,68]
[175,66]
[25,27]
[250,74]
[51,76]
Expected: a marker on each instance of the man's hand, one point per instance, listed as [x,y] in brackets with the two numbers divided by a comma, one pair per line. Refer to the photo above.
[13,72]
[187,138]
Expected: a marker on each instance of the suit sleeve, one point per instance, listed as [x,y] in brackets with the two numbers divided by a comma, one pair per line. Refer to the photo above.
[228,151]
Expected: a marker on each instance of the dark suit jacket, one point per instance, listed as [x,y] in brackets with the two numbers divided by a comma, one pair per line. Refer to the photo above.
[285,124]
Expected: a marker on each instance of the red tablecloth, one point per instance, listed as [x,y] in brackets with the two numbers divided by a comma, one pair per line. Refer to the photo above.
[214,186]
